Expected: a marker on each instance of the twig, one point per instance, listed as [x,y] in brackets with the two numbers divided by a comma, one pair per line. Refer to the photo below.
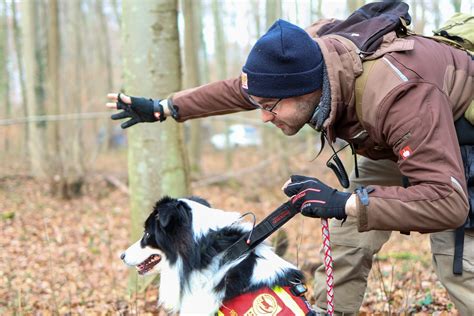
[386,292]
[117,183]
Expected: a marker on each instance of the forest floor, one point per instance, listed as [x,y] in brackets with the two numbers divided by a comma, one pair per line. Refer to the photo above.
[62,256]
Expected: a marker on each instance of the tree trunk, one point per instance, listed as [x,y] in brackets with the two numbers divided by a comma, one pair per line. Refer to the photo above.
[315,13]
[221,66]
[4,69]
[353,5]
[19,58]
[273,11]
[37,131]
[105,39]
[271,143]
[53,93]
[156,162]
[456,5]
[115,8]
[106,59]
[256,17]
[436,14]
[192,36]
[73,155]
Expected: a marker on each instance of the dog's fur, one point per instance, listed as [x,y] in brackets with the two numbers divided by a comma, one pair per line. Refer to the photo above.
[185,239]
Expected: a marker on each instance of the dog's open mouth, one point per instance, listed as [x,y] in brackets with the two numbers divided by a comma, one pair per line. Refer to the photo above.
[148,264]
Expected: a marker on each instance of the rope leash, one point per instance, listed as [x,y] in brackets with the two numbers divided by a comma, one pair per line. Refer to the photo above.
[328,267]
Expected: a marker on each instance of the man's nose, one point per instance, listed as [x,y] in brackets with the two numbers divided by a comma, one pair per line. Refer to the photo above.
[267,116]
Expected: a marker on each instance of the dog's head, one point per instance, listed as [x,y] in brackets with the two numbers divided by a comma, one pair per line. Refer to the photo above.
[165,227]
[171,231]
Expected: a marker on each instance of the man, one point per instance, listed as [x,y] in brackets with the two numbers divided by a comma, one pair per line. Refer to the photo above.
[415,91]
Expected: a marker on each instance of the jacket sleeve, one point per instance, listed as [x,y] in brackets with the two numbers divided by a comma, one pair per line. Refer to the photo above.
[416,121]
[221,97]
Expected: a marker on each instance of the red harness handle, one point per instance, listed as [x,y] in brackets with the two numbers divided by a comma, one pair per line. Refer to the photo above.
[328,267]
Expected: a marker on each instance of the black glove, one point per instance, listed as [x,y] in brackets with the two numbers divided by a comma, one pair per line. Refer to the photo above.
[315,199]
[141,110]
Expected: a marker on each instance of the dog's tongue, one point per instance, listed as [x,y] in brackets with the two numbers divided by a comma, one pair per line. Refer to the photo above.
[148,264]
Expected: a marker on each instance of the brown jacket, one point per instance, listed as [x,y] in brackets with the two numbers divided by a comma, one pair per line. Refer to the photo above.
[416,88]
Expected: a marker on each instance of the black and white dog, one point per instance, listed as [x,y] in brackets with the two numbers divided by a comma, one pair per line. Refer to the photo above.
[185,240]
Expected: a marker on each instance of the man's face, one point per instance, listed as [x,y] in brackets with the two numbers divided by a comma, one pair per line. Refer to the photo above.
[291,114]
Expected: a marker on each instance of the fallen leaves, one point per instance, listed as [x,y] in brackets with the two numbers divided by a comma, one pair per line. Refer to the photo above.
[62,257]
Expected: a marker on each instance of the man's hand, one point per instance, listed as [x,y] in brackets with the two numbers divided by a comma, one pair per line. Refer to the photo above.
[137,109]
[315,199]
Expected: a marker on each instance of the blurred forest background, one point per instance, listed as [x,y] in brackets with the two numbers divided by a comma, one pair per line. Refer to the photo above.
[75,188]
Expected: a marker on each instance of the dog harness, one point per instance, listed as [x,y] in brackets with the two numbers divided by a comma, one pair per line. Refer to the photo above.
[278,300]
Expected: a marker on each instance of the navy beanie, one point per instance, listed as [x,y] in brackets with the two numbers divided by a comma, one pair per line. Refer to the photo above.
[285,62]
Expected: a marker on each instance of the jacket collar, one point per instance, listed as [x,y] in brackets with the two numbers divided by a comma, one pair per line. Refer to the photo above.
[344,64]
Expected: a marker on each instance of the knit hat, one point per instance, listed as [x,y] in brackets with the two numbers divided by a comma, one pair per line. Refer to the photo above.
[285,62]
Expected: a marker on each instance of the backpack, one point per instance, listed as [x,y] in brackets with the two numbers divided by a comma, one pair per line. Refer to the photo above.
[458,32]
[366,27]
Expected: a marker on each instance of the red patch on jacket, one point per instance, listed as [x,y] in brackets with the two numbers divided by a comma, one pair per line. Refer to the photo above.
[405,152]
[266,301]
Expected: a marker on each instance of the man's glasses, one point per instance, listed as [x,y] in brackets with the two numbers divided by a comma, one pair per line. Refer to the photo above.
[268,108]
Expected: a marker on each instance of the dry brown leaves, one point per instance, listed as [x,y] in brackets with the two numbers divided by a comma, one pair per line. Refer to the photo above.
[62,257]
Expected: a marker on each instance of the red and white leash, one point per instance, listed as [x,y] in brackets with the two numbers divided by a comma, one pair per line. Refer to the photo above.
[328,267]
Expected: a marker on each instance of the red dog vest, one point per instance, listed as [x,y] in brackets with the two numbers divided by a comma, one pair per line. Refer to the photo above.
[265,301]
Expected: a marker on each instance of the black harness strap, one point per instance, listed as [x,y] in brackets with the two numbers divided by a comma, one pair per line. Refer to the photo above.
[458,250]
[465,133]
[260,232]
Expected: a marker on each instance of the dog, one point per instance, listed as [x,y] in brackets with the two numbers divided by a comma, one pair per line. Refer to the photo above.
[185,241]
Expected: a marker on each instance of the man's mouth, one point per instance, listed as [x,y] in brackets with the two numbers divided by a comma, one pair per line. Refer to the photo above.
[148,264]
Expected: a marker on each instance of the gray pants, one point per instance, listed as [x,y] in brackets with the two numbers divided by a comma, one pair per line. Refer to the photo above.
[353,253]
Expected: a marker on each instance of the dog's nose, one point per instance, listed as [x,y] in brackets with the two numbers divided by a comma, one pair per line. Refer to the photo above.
[122,256]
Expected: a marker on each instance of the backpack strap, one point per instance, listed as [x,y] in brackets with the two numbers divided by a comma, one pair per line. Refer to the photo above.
[458,250]
[359,86]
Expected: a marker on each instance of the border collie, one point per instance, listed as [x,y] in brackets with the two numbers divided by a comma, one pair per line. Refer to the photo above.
[185,241]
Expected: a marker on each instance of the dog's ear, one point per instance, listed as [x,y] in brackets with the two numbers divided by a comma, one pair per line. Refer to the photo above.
[172,214]
[200,200]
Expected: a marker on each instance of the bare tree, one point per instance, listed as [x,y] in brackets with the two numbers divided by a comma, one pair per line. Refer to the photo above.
[315,13]
[456,5]
[53,88]
[220,52]
[19,58]
[4,73]
[105,43]
[353,5]
[192,47]
[255,12]
[105,56]
[272,11]
[437,13]
[34,88]
[156,161]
